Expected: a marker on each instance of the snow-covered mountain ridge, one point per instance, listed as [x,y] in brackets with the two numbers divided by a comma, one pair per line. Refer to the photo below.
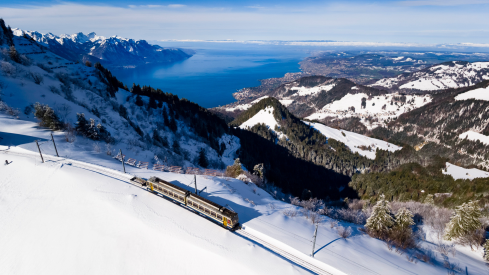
[110,51]
[138,123]
[447,75]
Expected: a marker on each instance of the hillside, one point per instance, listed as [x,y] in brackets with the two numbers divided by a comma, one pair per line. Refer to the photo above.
[453,74]
[111,51]
[143,121]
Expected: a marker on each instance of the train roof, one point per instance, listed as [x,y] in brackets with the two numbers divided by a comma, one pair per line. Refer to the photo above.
[224,209]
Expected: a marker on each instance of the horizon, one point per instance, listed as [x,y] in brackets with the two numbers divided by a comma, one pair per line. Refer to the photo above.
[424,22]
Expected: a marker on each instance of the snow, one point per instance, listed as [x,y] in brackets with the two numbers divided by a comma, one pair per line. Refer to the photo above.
[244,107]
[354,140]
[440,77]
[458,172]
[478,94]
[377,106]
[266,117]
[474,136]
[303,91]
[286,102]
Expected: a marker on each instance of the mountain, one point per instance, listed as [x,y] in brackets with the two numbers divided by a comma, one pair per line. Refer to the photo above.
[453,74]
[113,51]
[142,121]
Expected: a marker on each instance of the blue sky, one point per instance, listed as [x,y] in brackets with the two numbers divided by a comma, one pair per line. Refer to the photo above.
[411,21]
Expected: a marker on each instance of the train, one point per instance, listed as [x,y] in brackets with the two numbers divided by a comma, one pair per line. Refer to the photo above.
[213,211]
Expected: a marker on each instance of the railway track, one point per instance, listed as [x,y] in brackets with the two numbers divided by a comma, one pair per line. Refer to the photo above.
[291,257]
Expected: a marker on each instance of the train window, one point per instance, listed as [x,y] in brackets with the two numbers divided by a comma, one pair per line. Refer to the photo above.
[213,214]
[219,217]
[207,211]
[201,207]
[170,193]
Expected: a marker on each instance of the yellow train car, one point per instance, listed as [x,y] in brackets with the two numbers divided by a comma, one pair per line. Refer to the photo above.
[218,213]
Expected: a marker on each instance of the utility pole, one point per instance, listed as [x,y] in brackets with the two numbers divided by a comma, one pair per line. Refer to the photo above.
[52,138]
[314,241]
[195,182]
[39,148]
[122,159]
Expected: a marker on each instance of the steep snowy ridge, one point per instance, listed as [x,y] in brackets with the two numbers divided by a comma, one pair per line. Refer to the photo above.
[70,88]
[357,143]
[453,74]
[110,51]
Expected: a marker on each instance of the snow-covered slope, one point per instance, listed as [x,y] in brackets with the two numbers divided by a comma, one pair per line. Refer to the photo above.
[382,107]
[458,172]
[364,145]
[75,217]
[477,94]
[113,51]
[266,117]
[70,88]
[453,74]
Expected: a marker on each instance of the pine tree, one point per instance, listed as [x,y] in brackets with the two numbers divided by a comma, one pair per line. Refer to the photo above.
[464,221]
[47,117]
[165,118]
[380,222]
[139,101]
[203,158]
[486,250]
[81,124]
[404,219]
[429,199]
[152,103]
[176,146]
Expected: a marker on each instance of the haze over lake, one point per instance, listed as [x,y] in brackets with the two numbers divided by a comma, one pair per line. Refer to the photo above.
[216,70]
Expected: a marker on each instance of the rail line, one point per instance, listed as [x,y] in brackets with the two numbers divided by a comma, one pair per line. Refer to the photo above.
[307,265]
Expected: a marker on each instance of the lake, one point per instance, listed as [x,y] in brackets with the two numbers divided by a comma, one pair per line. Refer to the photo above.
[216,70]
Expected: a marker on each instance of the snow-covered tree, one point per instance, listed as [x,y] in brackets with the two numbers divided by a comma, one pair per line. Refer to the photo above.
[486,250]
[47,116]
[380,222]
[404,219]
[429,199]
[464,221]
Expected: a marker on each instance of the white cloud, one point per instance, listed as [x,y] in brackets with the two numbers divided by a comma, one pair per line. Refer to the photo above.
[337,21]
[443,2]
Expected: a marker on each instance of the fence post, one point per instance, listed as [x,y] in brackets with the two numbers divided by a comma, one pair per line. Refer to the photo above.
[195,182]
[56,149]
[314,242]
[122,159]
[39,148]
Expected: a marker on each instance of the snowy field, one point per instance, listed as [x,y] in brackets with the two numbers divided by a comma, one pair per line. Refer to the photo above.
[354,140]
[478,94]
[75,218]
[458,172]
[382,107]
[303,91]
[474,136]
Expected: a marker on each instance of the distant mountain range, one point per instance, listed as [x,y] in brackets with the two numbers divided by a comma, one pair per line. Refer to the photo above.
[111,51]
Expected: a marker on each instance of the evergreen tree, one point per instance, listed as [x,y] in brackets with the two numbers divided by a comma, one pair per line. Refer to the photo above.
[14,55]
[486,250]
[166,121]
[47,117]
[203,158]
[429,199]
[139,101]
[173,123]
[380,222]
[152,103]
[464,221]
[176,146]
[404,219]
[81,124]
